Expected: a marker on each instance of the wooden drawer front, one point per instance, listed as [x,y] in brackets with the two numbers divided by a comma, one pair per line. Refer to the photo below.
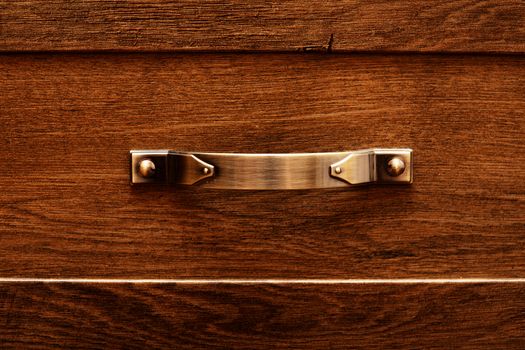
[260,25]
[138,316]
[89,261]
[69,121]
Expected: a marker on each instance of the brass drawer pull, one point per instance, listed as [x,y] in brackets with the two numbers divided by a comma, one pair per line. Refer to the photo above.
[272,171]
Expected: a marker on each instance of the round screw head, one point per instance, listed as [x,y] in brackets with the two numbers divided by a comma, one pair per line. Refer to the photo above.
[205,171]
[395,166]
[338,170]
[146,168]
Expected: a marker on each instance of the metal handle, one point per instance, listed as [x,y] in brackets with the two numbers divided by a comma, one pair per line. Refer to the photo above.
[272,171]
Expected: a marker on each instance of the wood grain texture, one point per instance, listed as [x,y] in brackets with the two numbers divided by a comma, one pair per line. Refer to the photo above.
[345,25]
[88,316]
[68,122]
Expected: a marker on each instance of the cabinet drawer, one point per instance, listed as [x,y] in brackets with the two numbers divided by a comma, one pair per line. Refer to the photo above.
[69,121]
[90,261]
[494,26]
[259,316]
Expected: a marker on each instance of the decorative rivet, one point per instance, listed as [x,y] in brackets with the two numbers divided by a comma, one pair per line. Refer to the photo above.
[338,170]
[205,171]
[395,166]
[146,168]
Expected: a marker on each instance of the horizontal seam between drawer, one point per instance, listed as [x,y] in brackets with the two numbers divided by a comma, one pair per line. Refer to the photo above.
[266,281]
[291,52]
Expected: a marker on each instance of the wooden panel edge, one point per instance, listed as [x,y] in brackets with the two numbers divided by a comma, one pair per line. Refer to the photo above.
[416,26]
[87,315]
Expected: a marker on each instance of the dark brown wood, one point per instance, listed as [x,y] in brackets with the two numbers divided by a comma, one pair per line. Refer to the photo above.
[68,121]
[87,316]
[347,25]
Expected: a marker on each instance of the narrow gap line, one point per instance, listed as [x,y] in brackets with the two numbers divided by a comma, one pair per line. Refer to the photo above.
[266,281]
[296,51]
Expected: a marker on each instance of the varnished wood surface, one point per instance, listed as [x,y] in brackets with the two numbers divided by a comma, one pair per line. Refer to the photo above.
[68,122]
[346,25]
[127,316]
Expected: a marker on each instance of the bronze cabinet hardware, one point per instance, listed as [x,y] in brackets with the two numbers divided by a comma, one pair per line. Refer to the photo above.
[272,171]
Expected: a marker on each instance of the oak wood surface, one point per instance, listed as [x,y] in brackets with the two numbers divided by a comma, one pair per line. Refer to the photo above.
[345,25]
[68,122]
[128,316]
